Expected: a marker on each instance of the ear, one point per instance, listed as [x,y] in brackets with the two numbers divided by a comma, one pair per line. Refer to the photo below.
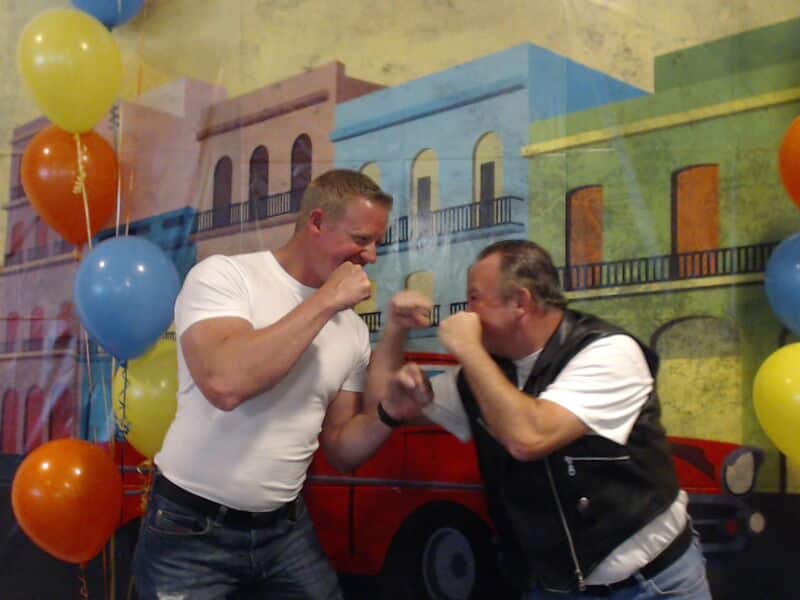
[525,300]
[315,218]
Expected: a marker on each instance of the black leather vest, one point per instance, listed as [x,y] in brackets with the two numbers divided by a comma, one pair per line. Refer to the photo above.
[560,516]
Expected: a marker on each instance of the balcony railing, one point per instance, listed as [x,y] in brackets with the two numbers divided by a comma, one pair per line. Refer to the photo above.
[254,210]
[36,253]
[373,320]
[15,258]
[689,265]
[454,219]
[61,247]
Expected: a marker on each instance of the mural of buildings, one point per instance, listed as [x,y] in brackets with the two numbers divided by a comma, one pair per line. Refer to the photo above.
[447,147]
[664,222]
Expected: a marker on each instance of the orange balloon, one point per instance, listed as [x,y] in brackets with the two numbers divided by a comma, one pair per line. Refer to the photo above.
[67,497]
[49,174]
[789,161]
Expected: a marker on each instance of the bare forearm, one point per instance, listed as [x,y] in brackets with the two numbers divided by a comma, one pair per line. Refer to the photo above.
[387,358]
[357,442]
[253,361]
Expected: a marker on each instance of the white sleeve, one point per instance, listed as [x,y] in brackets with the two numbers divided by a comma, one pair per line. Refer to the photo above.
[605,385]
[213,288]
[446,409]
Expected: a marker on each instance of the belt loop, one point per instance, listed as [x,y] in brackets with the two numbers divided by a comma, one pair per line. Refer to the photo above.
[221,513]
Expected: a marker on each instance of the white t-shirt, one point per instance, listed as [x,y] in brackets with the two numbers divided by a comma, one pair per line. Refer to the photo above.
[605,385]
[255,457]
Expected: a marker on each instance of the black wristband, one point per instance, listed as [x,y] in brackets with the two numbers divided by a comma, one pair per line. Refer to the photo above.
[386,418]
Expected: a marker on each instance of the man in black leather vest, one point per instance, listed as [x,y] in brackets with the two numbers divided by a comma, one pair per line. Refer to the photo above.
[564,414]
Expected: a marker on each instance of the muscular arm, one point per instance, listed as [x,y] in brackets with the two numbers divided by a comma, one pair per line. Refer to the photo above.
[350,436]
[529,428]
[231,361]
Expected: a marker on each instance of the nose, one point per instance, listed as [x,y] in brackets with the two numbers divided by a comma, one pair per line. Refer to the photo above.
[370,253]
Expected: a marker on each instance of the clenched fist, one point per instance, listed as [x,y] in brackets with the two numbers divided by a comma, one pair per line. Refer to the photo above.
[460,332]
[347,286]
[410,310]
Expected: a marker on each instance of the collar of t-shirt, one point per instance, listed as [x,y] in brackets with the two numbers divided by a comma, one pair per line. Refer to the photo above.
[525,366]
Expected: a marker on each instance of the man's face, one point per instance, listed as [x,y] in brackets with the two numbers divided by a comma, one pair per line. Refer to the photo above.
[355,236]
[498,316]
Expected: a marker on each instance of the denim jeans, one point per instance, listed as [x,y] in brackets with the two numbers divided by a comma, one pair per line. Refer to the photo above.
[184,555]
[685,579]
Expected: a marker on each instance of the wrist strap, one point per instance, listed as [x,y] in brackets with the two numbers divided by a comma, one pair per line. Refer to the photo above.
[386,418]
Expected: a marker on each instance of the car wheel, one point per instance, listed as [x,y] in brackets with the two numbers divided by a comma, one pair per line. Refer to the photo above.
[442,552]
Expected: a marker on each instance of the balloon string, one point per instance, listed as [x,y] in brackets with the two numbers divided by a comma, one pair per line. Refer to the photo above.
[80,187]
[123,425]
[90,378]
[83,582]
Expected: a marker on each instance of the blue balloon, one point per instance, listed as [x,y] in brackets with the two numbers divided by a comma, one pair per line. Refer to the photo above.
[125,291]
[110,13]
[782,282]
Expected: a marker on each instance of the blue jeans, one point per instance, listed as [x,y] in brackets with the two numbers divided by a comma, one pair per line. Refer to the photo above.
[184,555]
[685,579]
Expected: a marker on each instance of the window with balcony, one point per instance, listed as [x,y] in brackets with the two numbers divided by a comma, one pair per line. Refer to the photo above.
[63,416]
[12,331]
[35,341]
[695,221]
[302,157]
[11,433]
[15,254]
[425,190]
[258,187]
[584,237]
[488,177]
[223,183]
[35,420]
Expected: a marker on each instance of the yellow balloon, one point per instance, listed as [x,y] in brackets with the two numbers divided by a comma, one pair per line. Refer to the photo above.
[149,402]
[72,65]
[776,393]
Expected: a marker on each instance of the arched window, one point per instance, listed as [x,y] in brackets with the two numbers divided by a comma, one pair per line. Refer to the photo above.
[373,171]
[63,326]
[259,174]
[223,182]
[12,331]
[15,252]
[301,168]
[695,220]
[11,424]
[487,177]
[62,417]
[36,429]
[36,337]
[424,190]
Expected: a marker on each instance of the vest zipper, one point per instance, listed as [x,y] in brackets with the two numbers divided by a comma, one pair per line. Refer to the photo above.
[571,460]
[578,571]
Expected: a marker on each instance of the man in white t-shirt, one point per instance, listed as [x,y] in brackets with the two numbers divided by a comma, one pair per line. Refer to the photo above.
[271,359]
[563,411]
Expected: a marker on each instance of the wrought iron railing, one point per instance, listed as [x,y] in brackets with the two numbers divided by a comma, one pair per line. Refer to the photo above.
[454,219]
[37,252]
[253,210]
[653,269]
[373,320]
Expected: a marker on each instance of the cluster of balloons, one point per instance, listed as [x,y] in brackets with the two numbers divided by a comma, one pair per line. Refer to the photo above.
[776,388]
[67,494]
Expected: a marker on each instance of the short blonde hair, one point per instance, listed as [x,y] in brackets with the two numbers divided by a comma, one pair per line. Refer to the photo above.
[334,190]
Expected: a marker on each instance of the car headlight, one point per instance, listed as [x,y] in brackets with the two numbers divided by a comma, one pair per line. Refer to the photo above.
[740,470]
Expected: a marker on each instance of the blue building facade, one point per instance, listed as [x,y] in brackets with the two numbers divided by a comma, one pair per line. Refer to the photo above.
[448,148]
